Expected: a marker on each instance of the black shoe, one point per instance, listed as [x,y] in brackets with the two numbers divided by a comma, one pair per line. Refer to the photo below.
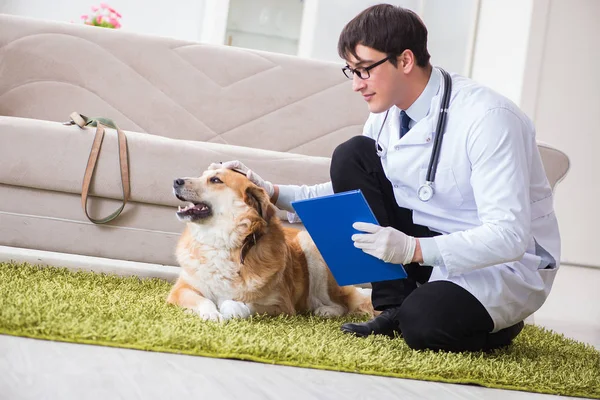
[385,323]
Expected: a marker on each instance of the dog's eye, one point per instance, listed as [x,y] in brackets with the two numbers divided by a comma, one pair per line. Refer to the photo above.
[214,179]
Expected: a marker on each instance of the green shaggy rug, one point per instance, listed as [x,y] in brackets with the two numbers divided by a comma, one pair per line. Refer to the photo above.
[83,307]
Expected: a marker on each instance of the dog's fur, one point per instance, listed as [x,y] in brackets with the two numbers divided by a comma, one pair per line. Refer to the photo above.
[237,259]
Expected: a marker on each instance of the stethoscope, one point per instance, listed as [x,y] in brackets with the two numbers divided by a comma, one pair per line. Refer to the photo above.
[425,191]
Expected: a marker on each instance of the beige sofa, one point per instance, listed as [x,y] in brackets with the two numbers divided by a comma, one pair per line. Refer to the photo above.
[183,105]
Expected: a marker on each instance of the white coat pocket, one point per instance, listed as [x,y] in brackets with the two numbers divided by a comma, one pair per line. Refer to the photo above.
[446,192]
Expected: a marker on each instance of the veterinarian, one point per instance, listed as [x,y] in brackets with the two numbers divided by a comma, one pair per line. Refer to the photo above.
[478,237]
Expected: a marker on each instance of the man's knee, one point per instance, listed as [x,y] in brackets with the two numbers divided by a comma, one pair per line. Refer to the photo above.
[351,149]
[348,153]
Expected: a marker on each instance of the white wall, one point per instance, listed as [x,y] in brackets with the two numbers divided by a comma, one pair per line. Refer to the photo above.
[566,116]
[324,20]
[213,21]
[450,24]
[179,19]
[501,44]
[271,25]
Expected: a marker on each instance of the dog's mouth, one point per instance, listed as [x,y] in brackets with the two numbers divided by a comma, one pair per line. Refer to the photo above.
[195,210]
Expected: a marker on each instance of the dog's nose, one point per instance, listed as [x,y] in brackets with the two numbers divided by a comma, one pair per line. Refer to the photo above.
[178,182]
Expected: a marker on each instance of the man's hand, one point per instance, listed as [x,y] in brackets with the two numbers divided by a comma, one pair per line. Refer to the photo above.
[253,176]
[387,244]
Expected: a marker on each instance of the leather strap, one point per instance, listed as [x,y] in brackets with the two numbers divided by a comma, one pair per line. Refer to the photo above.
[100,123]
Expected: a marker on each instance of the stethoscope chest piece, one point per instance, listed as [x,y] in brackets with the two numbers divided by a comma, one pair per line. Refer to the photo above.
[425,191]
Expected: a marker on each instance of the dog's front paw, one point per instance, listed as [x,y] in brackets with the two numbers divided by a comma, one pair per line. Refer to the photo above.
[208,313]
[234,309]
[331,311]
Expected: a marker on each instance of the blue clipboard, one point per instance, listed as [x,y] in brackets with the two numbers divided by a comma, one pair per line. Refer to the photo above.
[329,220]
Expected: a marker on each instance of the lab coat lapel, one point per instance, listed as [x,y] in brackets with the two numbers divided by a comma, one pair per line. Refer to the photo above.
[419,134]
[422,132]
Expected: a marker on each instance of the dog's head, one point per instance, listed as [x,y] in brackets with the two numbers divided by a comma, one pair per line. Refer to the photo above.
[221,192]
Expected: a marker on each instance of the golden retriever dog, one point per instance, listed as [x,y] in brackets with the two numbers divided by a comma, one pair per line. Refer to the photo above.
[237,259]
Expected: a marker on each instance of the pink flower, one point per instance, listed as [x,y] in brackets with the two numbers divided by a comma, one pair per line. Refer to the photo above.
[104,15]
[113,11]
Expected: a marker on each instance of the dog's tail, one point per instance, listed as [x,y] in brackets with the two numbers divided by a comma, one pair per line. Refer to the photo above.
[357,300]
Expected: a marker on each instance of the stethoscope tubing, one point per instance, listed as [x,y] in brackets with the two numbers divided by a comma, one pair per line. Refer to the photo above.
[440,128]
[439,131]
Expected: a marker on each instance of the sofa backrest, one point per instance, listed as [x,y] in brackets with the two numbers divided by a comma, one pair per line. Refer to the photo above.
[174,88]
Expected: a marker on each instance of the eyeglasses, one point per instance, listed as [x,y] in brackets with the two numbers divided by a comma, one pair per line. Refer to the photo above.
[363,72]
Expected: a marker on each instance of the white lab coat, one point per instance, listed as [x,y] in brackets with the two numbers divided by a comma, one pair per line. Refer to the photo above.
[492,202]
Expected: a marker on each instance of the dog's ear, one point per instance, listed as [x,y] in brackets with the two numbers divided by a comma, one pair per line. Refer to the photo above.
[258,198]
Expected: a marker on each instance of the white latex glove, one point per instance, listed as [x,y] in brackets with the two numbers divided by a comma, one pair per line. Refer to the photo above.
[387,244]
[293,218]
[253,176]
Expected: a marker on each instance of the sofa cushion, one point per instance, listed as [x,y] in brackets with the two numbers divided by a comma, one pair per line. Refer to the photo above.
[48,155]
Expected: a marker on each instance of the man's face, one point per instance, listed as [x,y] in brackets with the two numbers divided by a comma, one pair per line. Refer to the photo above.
[384,87]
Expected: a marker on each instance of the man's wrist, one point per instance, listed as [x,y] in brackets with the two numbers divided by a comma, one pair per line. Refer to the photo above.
[418,256]
[430,252]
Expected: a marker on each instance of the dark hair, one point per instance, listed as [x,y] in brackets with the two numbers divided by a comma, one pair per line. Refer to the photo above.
[388,29]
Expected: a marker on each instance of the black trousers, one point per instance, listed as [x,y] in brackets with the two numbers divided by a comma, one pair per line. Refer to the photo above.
[436,315]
